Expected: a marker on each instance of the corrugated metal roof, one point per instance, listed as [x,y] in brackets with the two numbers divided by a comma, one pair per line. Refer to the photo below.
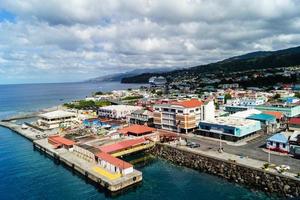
[279,137]
[262,116]
[114,161]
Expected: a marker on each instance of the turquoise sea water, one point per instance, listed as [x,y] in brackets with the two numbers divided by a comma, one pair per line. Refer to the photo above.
[28,174]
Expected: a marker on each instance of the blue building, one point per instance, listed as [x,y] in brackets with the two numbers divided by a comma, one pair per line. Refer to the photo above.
[279,142]
[229,128]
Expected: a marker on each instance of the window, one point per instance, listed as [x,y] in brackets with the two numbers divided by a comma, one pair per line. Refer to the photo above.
[191,111]
[166,109]
[180,111]
[156,108]
[283,146]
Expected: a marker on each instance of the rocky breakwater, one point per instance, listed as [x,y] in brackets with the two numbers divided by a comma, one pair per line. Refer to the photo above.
[252,177]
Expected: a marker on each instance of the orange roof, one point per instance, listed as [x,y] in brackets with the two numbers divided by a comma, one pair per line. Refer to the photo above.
[61,140]
[114,161]
[121,145]
[189,103]
[276,114]
[137,129]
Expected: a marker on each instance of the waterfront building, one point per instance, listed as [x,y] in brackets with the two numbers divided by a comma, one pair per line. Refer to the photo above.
[289,110]
[294,124]
[294,144]
[279,142]
[85,152]
[56,119]
[141,117]
[60,142]
[136,130]
[229,128]
[113,165]
[182,116]
[117,111]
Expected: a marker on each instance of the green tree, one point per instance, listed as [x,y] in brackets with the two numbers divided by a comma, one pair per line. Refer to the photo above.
[276,96]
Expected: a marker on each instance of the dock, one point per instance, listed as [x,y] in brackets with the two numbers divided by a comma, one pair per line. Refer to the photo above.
[102,178]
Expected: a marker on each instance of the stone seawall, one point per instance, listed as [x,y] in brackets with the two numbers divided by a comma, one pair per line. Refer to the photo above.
[245,175]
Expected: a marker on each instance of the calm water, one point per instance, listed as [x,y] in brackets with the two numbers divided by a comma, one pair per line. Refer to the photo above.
[27,174]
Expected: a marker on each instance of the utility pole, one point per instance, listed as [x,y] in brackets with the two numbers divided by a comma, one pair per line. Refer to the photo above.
[220,145]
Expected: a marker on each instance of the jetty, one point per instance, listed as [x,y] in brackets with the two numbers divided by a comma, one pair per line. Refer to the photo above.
[104,179]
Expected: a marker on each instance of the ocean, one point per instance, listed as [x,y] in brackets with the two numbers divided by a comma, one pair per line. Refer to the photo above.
[28,174]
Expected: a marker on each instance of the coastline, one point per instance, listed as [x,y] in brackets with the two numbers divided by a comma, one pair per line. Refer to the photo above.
[290,187]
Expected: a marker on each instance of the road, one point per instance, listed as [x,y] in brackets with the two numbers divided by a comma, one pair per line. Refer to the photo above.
[253,149]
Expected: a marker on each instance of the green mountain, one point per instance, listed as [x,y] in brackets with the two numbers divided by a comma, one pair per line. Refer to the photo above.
[251,61]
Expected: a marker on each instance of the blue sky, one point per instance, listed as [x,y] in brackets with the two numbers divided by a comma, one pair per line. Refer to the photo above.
[57,41]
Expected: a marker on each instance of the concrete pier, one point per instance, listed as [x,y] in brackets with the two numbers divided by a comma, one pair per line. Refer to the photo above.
[87,168]
[80,165]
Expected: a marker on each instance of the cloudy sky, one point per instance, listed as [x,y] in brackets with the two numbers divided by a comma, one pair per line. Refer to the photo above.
[55,40]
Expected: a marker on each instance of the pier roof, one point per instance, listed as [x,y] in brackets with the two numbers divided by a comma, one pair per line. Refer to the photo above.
[121,145]
[114,161]
[61,140]
[137,129]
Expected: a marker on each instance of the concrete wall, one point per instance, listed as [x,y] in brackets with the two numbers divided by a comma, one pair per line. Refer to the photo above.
[252,177]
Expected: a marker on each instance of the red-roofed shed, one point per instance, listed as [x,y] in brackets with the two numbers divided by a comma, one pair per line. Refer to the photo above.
[58,141]
[137,130]
[112,148]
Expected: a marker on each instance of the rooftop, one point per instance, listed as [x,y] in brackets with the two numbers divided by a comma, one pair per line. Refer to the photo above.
[57,114]
[280,137]
[295,120]
[114,161]
[262,117]
[136,129]
[231,121]
[122,145]
[61,140]
[189,103]
[276,114]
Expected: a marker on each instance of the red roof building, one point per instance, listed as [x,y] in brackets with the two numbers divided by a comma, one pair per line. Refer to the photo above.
[114,161]
[59,141]
[295,121]
[112,148]
[136,130]
[189,103]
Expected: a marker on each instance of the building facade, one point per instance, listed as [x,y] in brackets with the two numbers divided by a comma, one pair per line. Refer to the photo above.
[229,128]
[182,116]
[117,111]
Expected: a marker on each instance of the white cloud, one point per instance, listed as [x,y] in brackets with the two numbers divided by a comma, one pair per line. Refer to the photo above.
[93,37]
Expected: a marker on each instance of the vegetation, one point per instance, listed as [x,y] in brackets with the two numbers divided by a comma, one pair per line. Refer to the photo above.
[252,61]
[276,96]
[227,96]
[297,94]
[130,98]
[99,93]
[86,105]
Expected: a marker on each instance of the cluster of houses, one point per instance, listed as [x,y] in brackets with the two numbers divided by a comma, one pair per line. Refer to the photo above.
[244,114]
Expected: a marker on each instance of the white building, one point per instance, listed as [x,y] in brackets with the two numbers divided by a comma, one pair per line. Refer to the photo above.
[114,165]
[182,116]
[56,119]
[117,111]
[247,101]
